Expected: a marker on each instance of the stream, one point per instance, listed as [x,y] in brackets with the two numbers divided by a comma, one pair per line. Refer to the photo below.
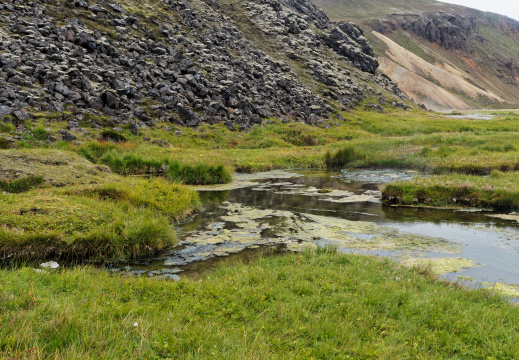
[279,211]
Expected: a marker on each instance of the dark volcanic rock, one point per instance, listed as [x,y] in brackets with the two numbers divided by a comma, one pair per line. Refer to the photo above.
[199,66]
[451,31]
[111,100]
[67,136]
[347,39]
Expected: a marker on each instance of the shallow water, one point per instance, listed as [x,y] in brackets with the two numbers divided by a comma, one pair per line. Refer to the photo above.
[471,117]
[297,210]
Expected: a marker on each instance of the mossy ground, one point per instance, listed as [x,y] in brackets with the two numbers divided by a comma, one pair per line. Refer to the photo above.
[312,305]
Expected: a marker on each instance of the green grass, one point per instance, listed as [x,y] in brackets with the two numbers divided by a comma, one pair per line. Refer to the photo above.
[341,158]
[22,184]
[39,133]
[199,174]
[169,199]
[320,305]
[94,150]
[498,191]
[112,221]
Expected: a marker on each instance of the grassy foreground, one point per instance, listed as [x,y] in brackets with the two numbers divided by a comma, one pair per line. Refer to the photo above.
[320,305]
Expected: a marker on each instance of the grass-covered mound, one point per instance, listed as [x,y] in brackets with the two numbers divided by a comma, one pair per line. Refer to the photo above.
[56,167]
[43,224]
[172,200]
[110,221]
[498,191]
[313,305]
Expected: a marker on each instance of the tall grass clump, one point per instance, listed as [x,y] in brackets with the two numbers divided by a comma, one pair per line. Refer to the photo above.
[342,157]
[131,164]
[200,174]
[21,185]
[39,133]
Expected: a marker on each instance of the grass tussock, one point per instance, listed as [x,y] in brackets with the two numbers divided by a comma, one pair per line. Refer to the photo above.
[500,191]
[341,158]
[21,185]
[43,224]
[199,174]
[314,305]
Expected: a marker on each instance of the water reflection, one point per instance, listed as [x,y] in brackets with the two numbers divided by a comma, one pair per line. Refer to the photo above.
[491,242]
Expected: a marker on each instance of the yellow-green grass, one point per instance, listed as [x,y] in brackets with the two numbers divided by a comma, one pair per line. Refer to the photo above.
[172,200]
[129,218]
[58,168]
[408,139]
[320,305]
[499,191]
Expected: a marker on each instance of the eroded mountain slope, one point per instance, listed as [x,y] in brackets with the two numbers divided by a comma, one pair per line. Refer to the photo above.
[471,54]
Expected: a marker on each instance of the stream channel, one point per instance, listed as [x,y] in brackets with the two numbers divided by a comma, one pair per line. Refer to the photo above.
[290,211]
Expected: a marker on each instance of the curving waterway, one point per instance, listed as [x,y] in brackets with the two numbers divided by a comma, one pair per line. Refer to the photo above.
[291,211]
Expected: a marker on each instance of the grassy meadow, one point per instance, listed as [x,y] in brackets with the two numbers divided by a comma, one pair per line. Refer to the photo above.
[320,305]
[109,197]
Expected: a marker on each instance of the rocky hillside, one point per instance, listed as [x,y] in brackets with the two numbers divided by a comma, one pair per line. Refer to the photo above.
[210,61]
[444,56]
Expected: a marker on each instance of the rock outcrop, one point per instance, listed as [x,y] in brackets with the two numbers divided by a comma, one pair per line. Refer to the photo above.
[185,65]
[451,31]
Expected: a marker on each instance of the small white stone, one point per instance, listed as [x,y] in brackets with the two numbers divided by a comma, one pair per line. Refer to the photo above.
[50,264]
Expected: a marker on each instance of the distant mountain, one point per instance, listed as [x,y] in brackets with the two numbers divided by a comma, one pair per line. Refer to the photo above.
[441,55]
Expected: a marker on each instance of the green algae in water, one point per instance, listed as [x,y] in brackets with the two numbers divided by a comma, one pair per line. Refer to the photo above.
[507,290]
[466,278]
[254,226]
[441,265]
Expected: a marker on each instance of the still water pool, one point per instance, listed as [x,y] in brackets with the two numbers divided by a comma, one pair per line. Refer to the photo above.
[291,211]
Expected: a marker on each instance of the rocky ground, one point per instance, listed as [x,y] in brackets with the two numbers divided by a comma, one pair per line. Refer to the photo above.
[182,62]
